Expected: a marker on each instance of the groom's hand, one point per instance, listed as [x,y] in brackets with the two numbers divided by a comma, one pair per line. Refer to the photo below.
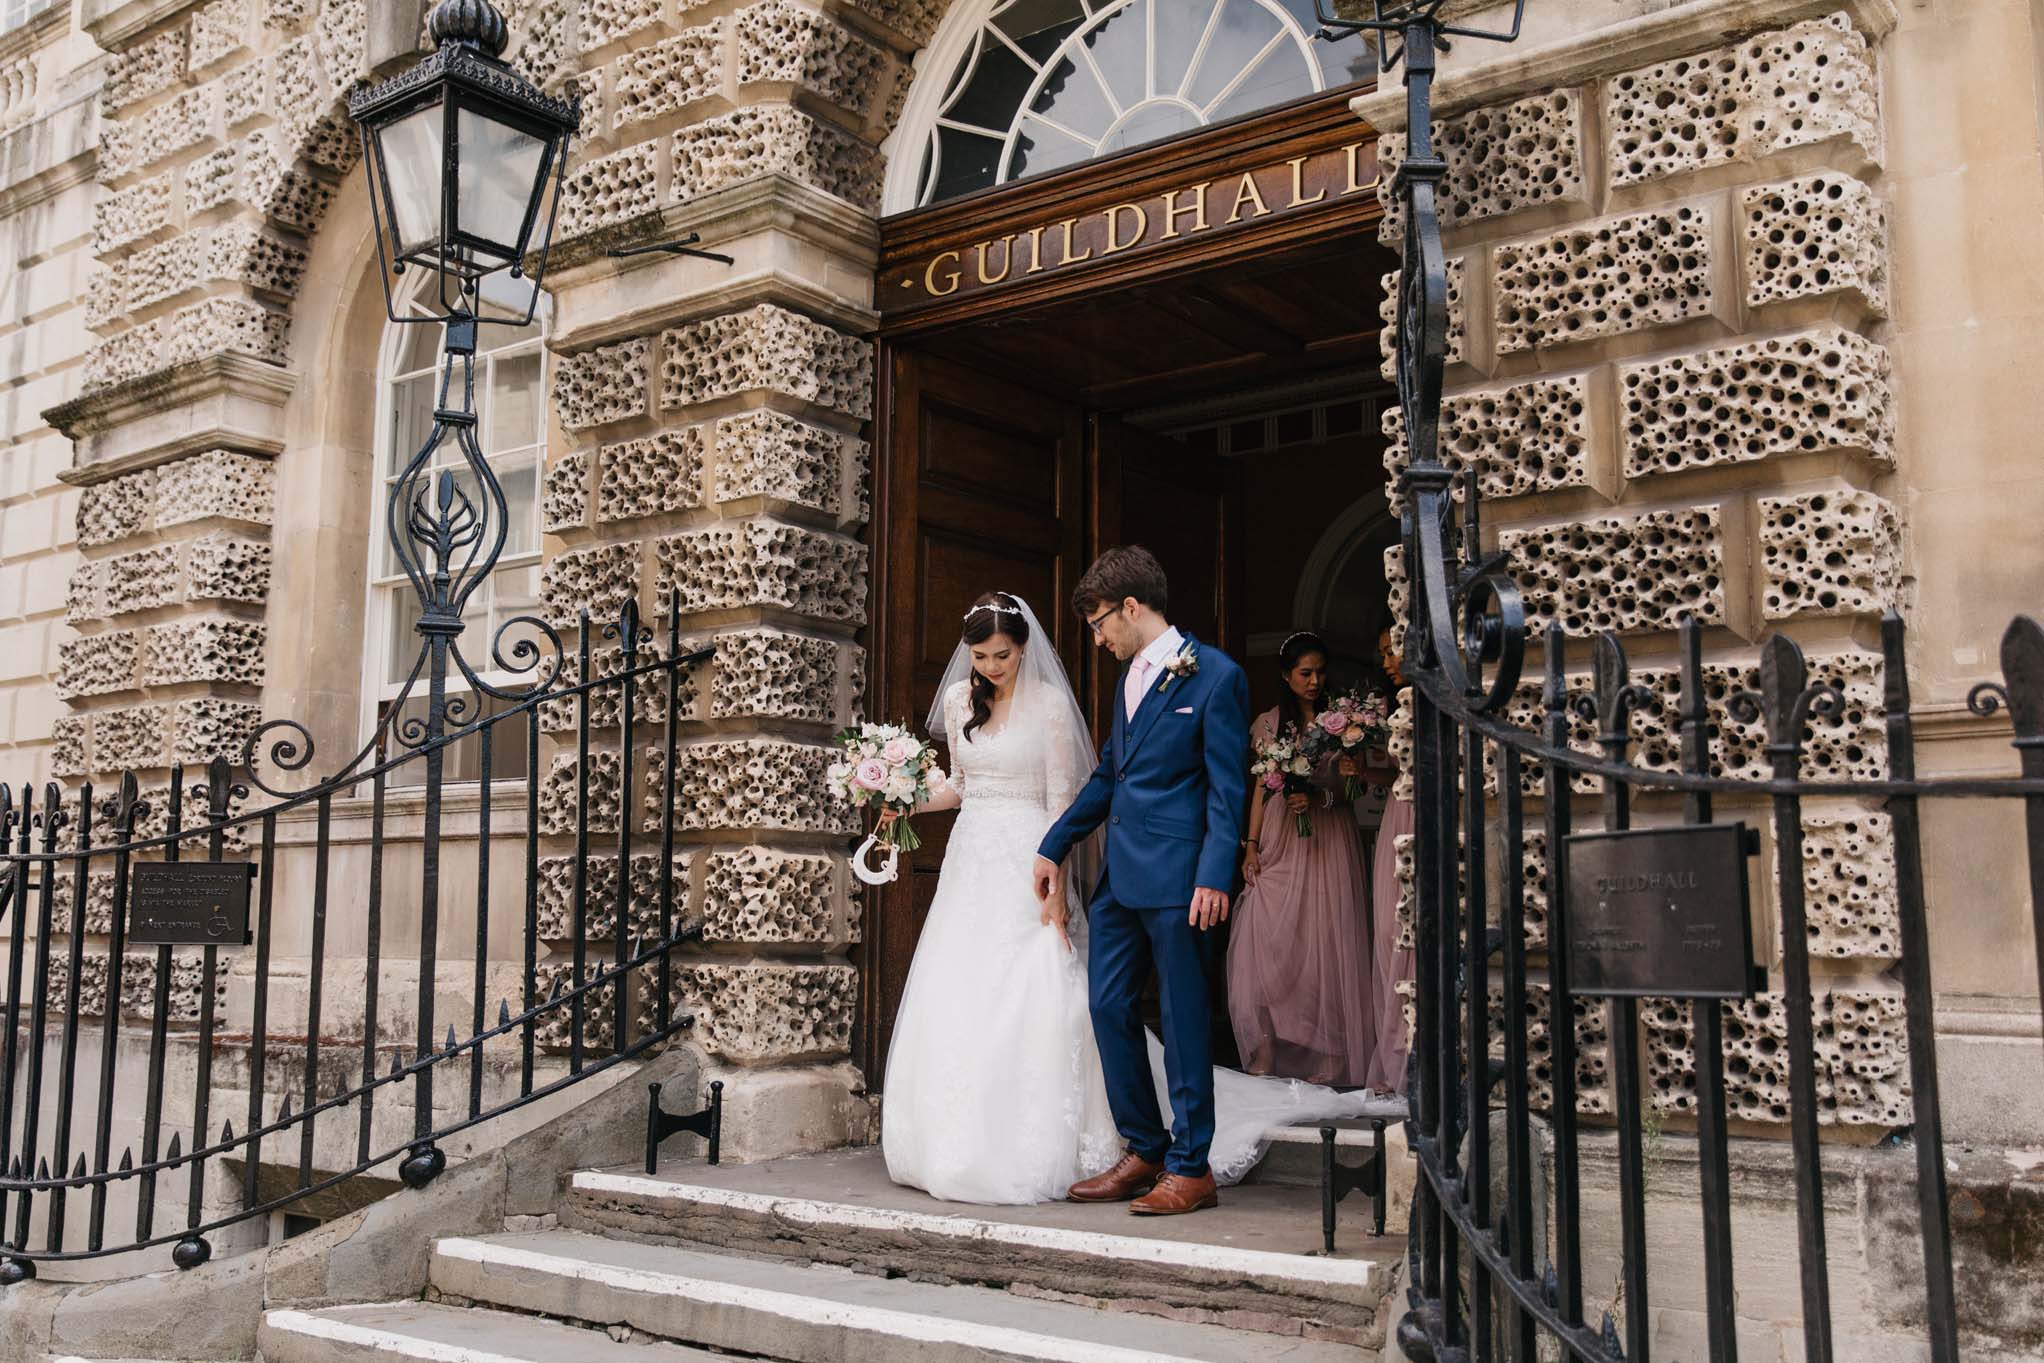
[1208,908]
[1046,880]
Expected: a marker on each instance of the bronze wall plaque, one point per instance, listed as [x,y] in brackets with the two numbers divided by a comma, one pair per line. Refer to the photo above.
[189,903]
[1660,911]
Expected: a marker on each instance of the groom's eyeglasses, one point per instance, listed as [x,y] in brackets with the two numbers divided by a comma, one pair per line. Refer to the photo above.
[1097,621]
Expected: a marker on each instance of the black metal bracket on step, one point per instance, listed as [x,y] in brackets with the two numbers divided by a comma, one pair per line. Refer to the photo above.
[1338,1180]
[709,1123]
[680,246]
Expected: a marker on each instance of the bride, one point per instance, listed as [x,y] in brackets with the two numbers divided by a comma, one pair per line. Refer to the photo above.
[994,1088]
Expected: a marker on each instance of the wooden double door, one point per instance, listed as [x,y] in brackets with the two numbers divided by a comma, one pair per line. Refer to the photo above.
[984,484]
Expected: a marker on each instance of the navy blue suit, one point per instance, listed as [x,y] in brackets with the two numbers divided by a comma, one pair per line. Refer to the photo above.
[1172,789]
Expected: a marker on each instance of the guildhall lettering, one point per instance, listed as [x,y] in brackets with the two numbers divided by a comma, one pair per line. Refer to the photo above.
[1291,184]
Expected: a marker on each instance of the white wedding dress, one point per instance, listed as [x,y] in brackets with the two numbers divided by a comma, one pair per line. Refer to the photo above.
[994,1091]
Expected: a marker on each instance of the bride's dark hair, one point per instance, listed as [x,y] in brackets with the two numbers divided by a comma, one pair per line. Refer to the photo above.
[994,613]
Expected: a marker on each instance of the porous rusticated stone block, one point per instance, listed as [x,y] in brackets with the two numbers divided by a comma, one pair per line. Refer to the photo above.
[90,1001]
[1788,88]
[555,1028]
[650,476]
[284,16]
[223,567]
[598,581]
[1526,438]
[753,1013]
[226,326]
[140,581]
[1604,278]
[770,675]
[85,593]
[106,293]
[1849,886]
[1836,552]
[759,783]
[245,94]
[1500,160]
[177,125]
[1624,573]
[763,894]
[261,172]
[70,741]
[206,727]
[564,500]
[780,42]
[547,43]
[1387,309]
[147,68]
[1861,1052]
[119,153]
[763,563]
[602,22]
[606,703]
[117,508]
[220,30]
[766,348]
[98,664]
[771,454]
[605,384]
[185,995]
[565,779]
[666,77]
[340,33]
[131,738]
[296,79]
[1824,389]
[1594,1092]
[768,139]
[913,20]
[643,898]
[126,356]
[220,483]
[1815,235]
[204,650]
[135,213]
[604,191]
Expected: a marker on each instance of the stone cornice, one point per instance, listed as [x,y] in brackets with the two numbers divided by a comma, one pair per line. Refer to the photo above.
[222,401]
[48,155]
[31,35]
[1499,74]
[773,200]
[112,23]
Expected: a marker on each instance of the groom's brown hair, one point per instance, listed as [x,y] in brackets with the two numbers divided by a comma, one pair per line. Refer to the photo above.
[1118,574]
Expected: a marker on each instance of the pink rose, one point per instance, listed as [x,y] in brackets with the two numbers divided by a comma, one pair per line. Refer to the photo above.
[1333,721]
[897,751]
[870,774]
[1273,781]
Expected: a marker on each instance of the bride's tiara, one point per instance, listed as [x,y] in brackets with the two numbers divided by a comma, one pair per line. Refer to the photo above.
[995,607]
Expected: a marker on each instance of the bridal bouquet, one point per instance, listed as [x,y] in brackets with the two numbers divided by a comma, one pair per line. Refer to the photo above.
[885,765]
[1349,725]
[1286,768]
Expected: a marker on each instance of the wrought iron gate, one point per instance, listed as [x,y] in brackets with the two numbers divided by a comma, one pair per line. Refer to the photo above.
[1485,1282]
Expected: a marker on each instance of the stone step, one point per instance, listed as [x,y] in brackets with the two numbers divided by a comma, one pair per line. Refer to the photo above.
[406,1330]
[1294,1153]
[811,1313]
[1253,1263]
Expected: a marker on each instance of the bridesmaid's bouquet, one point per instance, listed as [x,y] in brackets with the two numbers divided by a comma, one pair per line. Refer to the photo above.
[1286,768]
[1348,727]
[885,765]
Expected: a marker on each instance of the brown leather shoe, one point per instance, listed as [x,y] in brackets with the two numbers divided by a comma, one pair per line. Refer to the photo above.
[1176,1194]
[1130,1176]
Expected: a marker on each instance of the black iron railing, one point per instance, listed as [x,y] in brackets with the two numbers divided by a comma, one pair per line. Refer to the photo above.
[1485,1283]
[599,1008]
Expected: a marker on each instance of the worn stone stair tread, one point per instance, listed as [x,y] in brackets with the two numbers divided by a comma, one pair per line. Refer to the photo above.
[439,1333]
[810,1313]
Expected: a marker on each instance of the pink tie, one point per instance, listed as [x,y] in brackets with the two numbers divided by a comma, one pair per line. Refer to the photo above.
[1138,682]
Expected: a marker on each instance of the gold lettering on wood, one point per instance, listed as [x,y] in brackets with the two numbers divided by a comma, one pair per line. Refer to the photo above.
[1247,192]
[1114,241]
[1352,153]
[1007,259]
[930,275]
[1035,250]
[1173,210]
[1069,258]
[1298,165]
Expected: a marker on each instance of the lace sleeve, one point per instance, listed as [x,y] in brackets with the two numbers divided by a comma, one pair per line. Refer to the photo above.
[1063,751]
[957,710]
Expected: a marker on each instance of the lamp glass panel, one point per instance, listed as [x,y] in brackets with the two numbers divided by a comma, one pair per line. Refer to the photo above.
[500,168]
[412,164]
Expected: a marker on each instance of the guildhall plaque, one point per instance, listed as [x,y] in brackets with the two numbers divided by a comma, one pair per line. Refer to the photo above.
[1660,911]
[189,903]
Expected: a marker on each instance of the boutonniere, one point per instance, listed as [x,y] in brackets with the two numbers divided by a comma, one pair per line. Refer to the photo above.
[1184,665]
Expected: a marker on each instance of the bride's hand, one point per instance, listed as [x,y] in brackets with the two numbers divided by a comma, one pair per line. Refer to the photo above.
[1053,915]
[889,816]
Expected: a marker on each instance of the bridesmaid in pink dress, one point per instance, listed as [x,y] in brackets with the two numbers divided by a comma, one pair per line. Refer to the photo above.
[1299,950]
[1391,963]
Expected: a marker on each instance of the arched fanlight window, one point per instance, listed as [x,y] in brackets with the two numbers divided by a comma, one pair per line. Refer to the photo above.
[1044,84]
[511,422]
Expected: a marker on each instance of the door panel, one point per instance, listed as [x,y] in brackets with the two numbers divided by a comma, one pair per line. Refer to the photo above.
[980,489]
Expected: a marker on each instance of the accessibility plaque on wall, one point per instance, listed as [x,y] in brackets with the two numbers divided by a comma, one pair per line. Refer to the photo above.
[1660,911]
[189,903]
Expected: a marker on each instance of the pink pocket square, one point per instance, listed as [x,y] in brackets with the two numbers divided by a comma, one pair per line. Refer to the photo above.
[1183,710]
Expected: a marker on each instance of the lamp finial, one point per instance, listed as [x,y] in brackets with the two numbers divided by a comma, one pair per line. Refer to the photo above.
[475,23]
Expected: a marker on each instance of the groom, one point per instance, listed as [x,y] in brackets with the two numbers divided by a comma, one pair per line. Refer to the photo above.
[1171,787]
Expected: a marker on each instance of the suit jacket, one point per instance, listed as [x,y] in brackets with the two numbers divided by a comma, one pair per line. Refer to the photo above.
[1172,787]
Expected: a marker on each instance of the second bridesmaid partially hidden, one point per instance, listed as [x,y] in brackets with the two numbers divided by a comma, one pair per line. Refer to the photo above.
[1299,986]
